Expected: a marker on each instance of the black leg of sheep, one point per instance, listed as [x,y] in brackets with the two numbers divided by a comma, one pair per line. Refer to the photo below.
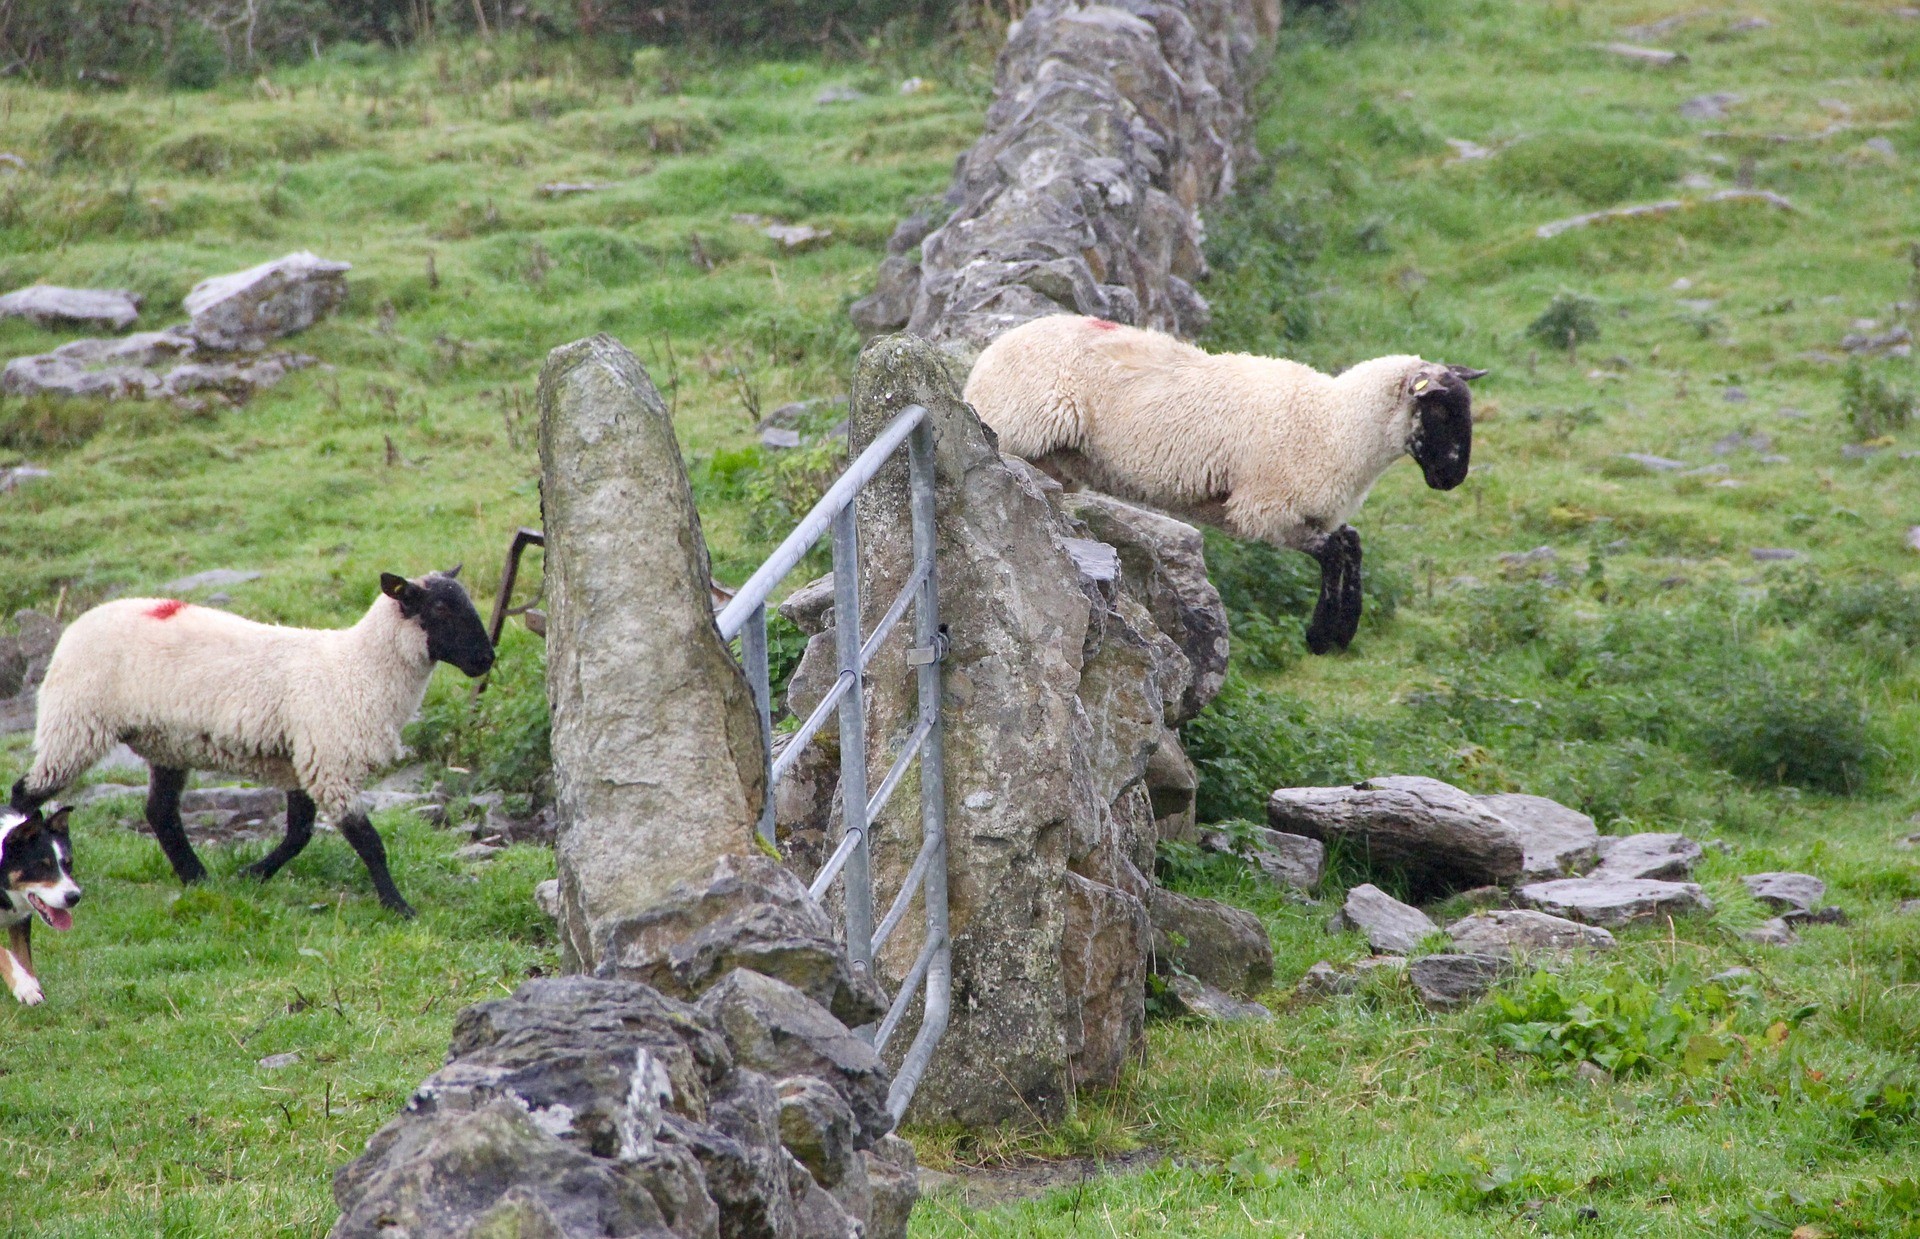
[300,814]
[1336,616]
[359,832]
[163,815]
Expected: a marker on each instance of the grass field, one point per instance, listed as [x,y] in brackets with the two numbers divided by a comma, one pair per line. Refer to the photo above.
[1652,672]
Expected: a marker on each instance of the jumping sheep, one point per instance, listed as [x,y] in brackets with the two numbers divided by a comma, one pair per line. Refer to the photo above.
[313,711]
[1258,446]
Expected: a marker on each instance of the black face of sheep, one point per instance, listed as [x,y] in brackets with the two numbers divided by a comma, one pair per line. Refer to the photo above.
[1442,437]
[455,634]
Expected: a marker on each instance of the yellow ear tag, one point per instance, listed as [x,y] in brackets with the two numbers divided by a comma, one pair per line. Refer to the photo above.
[1420,386]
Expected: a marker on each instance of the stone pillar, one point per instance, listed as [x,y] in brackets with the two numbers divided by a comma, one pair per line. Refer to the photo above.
[659,769]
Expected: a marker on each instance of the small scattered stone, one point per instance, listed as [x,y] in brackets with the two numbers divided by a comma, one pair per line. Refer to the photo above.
[1908,907]
[838,94]
[796,236]
[1655,56]
[1786,891]
[1466,152]
[1667,857]
[476,852]
[1525,559]
[1389,925]
[779,438]
[1733,976]
[273,1062]
[1860,451]
[1659,464]
[1288,860]
[1867,340]
[566,189]
[1734,395]
[1323,980]
[1774,554]
[546,897]
[1448,981]
[1592,1073]
[916,86]
[1881,146]
[1829,915]
[1775,932]
[1709,107]
[1741,441]
[19,475]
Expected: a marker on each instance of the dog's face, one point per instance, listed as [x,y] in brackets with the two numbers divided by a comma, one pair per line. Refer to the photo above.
[36,866]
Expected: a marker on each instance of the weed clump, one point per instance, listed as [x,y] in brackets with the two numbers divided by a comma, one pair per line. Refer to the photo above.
[1570,318]
[1596,171]
[1777,728]
[1251,740]
[1874,404]
[503,735]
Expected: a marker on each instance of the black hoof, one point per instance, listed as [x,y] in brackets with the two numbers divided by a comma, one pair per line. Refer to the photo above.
[259,870]
[400,908]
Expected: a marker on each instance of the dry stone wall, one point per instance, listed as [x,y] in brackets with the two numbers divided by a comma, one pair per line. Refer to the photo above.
[1112,125]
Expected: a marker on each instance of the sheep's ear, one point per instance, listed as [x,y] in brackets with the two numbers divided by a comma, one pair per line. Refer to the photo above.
[394,586]
[1425,381]
[454,572]
[1467,373]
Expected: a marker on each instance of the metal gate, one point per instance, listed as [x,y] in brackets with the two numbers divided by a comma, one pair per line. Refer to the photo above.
[745,616]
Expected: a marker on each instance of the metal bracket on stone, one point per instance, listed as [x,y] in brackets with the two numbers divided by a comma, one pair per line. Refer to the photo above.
[928,655]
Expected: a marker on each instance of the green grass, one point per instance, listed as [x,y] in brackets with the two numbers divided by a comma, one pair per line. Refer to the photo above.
[1661,679]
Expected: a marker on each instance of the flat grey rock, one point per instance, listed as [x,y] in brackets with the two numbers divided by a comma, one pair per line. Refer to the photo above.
[1775,932]
[1208,1003]
[19,475]
[1786,892]
[1659,464]
[1558,842]
[1439,836]
[1669,857]
[1778,554]
[1523,930]
[212,578]
[476,852]
[1288,860]
[1709,107]
[1613,902]
[48,305]
[1448,981]
[1388,924]
[246,309]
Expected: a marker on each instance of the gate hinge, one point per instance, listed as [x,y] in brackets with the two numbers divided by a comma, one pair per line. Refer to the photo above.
[926,655]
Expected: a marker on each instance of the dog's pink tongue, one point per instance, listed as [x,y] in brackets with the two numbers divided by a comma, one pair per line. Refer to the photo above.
[59,918]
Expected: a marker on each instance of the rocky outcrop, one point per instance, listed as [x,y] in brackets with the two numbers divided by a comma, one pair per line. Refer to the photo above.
[49,305]
[23,664]
[1221,947]
[1112,125]
[1441,838]
[1061,686]
[583,1107]
[659,767]
[215,355]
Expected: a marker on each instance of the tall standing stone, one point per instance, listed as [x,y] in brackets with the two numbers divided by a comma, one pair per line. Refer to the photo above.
[659,769]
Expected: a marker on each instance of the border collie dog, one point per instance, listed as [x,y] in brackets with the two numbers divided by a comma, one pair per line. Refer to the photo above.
[36,879]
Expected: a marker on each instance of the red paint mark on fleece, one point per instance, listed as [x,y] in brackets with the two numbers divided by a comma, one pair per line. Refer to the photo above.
[166,610]
[1101,324]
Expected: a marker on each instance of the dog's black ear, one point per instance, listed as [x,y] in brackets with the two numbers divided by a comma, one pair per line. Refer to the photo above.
[58,822]
[27,831]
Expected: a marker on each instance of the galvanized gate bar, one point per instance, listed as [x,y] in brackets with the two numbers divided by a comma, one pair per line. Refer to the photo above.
[745,616]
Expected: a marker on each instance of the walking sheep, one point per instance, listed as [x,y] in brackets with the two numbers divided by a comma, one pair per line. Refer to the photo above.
[314,711]
[1259,446]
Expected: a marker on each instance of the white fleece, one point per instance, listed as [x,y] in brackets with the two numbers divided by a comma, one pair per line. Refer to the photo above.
[1264,447]
[200,689]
